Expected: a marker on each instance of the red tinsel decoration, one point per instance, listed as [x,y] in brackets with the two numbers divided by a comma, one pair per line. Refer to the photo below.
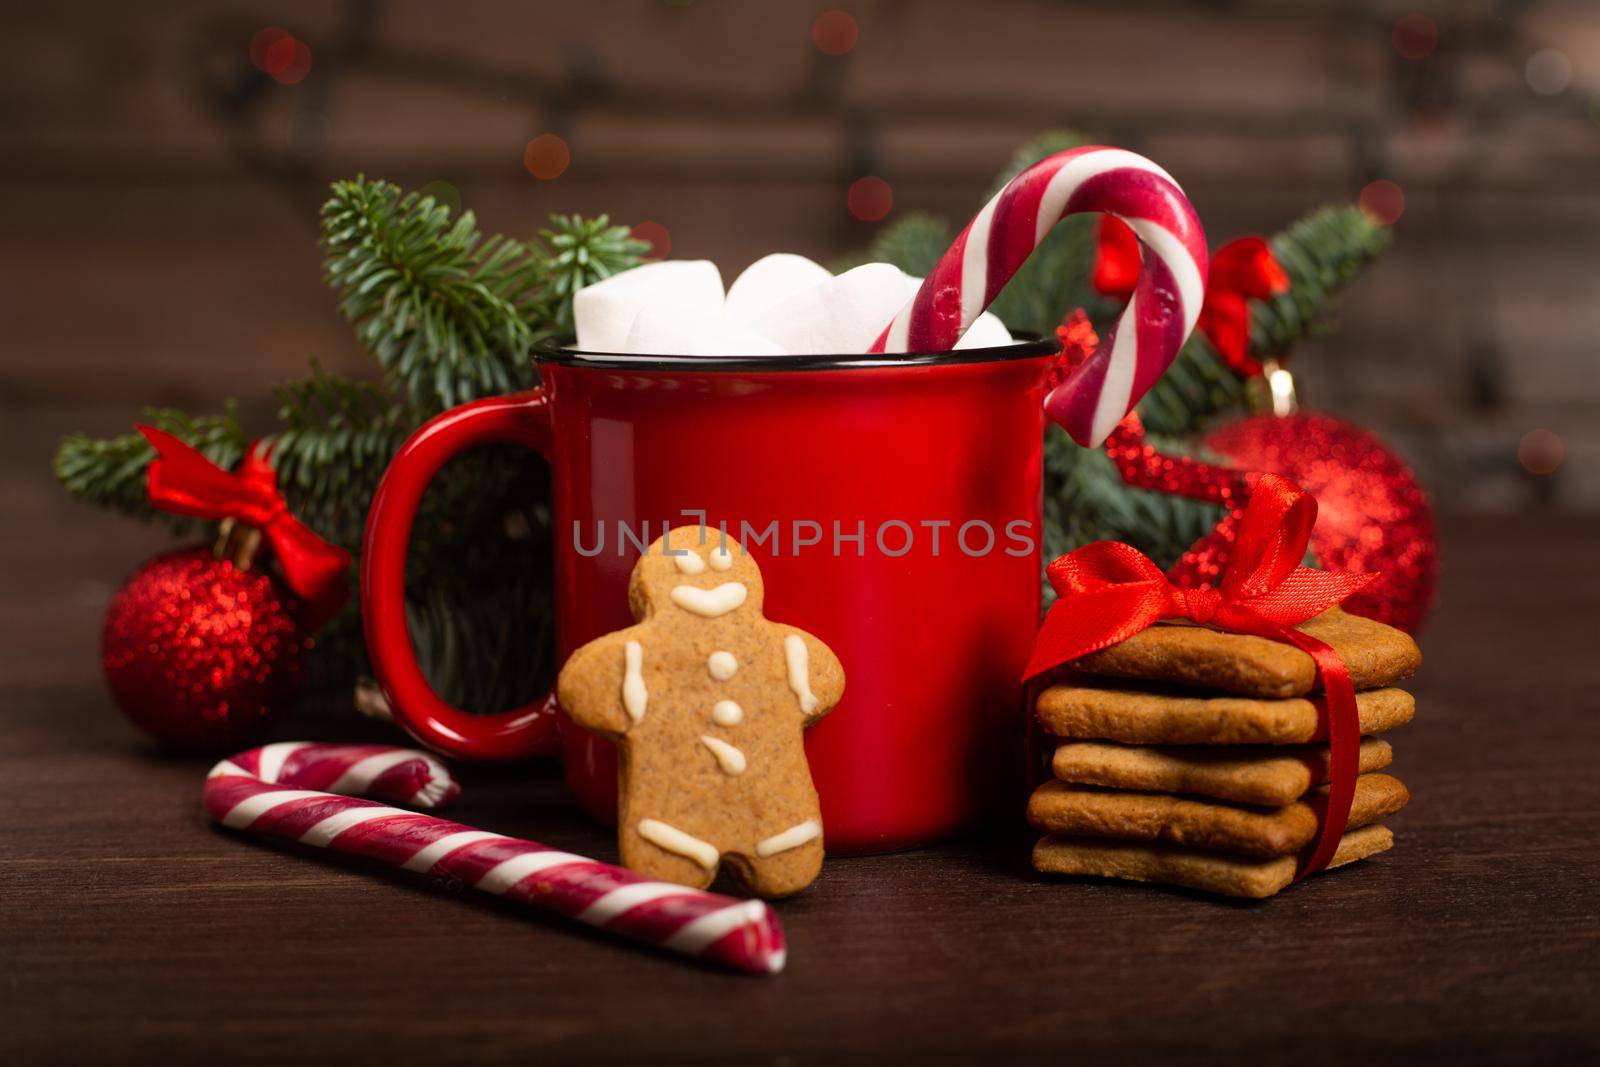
[1077,338]
[201,654]
[1143,467]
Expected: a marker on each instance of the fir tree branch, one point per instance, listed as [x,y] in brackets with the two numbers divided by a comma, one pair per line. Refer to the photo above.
[1087,500]
[1196,388]
[110,473]
[337,438]
[450,315]
[1321,253]
[580,252]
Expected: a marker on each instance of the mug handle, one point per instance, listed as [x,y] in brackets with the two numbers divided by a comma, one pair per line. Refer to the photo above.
[522,419]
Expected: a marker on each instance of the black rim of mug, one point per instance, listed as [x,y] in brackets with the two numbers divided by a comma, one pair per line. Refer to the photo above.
[1027,346]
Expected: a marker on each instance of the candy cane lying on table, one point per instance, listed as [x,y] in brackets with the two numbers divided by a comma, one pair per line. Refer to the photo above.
[247,792]
[1165,305]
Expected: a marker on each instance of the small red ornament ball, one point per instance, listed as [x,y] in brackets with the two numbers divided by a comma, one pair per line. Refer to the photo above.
[201,654]
[1372,516]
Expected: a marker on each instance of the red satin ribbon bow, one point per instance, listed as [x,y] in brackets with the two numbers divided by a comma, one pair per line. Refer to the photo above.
[1109,591]
[183,481]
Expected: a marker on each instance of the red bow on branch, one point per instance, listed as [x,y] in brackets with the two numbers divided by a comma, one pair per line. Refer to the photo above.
[1109,591]
[184,482]
[1243,269]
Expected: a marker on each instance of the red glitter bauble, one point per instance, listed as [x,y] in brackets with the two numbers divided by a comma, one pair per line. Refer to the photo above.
[201,654]
[1372,516]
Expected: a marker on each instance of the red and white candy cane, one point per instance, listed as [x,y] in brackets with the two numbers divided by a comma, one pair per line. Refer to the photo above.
[1135,352]
[289,790]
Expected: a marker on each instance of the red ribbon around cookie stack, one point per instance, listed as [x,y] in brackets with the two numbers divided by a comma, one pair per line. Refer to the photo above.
[183,481]
[1109,591]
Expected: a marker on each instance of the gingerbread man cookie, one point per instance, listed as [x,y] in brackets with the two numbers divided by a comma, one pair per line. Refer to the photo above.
[707,700]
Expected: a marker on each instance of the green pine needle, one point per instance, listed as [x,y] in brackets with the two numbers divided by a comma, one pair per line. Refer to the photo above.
[1321,253]
[580,252]
[1196,388]
[449,314]
[110,473]
[337,438]
[1086,500]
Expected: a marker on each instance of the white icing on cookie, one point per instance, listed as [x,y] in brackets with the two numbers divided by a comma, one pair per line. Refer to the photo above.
[793,837]
[689,562]
[730,759]
[794,650]
[722,665]
[721,558]
[634,696]
[675,840]
[710,602]
[727,713]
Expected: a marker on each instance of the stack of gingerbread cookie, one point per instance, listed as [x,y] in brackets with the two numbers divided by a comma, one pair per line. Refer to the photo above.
[1197,758]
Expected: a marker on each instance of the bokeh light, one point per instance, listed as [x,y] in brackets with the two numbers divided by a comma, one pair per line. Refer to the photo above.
[261,44]
[546,157]
[1548,71]
[835,32]
[1383,201]
[656,236]
[1541,452]
[870,198]
[1415,36]
[281,55]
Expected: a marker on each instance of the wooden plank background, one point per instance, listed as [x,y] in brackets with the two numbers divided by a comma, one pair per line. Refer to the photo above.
[159,196]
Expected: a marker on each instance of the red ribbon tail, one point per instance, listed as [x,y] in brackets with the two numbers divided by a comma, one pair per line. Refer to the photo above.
[313,568]
[1344,747]
[183,481]
[1344,726]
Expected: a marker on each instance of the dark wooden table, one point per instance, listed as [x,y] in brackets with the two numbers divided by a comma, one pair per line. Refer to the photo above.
[133,931]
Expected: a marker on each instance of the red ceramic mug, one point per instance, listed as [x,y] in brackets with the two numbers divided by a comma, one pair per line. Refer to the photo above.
[893,504]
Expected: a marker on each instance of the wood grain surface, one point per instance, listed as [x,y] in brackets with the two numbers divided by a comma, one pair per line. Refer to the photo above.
[132,931]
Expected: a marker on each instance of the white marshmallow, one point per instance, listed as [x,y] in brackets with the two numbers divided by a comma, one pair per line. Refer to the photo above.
[665,328]
[660,328]
[769,281]
[986,331]
[781,304]
[842,315]
[724,338]
[605,311]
